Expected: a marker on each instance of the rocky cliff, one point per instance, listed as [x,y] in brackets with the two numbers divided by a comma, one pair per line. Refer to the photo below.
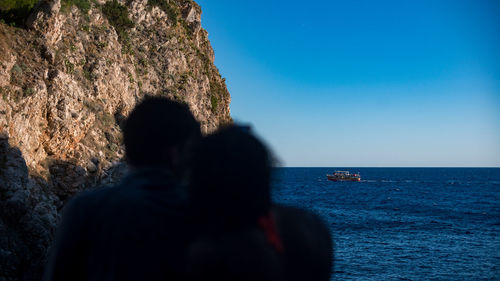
[68,78]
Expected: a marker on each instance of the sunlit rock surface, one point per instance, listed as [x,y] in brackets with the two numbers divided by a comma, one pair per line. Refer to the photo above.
[67,81]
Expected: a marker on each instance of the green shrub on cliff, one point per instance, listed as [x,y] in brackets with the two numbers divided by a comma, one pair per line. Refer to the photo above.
[169,8]
[16,11]
[214,101]
[83,5]
[7,5]
[117,15]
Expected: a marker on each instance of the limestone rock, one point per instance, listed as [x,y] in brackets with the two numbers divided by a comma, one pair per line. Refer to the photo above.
[45,20]
[67,82]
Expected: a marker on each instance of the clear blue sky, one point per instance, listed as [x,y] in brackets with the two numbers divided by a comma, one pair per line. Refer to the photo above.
[364,83]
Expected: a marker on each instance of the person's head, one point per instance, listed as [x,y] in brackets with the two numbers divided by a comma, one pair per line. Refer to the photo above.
[158,133]
[230,200]
[231,178]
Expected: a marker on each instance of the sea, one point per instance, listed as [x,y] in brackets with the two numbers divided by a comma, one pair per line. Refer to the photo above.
[404,223]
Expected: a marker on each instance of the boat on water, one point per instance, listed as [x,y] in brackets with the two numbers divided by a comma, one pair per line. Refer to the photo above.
[344,176]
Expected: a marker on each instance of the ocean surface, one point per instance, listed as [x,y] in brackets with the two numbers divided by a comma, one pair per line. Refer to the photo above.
[404,223]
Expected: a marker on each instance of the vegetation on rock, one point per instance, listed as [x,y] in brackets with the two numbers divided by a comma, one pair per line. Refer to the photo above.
[83,5]
[15,12]
[170,9]
[117,15]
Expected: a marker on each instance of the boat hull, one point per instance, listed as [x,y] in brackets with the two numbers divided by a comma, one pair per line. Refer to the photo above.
[342,179]
[343,176]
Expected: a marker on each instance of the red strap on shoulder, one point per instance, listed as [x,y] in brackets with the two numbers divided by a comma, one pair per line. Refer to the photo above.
[268,224]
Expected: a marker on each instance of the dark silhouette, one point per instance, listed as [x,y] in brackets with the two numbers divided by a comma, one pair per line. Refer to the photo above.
[307,242]
[231,179]
[136,230]
[242,235]
[231,204]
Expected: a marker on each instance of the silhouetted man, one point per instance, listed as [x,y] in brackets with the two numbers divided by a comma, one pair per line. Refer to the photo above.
[138,229]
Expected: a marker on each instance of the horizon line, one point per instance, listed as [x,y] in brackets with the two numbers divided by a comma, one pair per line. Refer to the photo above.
[486,167]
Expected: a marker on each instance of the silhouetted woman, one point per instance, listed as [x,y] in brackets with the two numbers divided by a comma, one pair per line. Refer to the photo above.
[239,230]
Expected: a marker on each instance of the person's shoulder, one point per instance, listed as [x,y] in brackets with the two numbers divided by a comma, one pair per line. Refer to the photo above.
[90,197]
[298,223]
[95,193]
[307,241]
[285,212]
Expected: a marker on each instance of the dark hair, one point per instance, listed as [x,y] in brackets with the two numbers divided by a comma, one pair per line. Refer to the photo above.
[154,125]
[231,175]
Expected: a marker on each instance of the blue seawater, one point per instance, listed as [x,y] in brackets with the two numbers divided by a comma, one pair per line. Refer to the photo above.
[404,223]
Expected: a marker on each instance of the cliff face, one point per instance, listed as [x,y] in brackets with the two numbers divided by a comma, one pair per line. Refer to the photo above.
[67,81]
